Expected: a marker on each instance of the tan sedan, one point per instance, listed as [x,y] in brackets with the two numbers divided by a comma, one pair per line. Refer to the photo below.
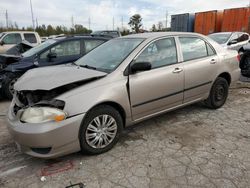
[84,106]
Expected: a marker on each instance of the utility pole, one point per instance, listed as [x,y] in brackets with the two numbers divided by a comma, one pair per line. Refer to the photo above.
[32,16]
[36,23]
[72,22]
[7,19]
[166,19]
[113,23]
[122,22]
[89,23]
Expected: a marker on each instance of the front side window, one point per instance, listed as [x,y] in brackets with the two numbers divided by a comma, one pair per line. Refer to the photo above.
[12,38]
[38,48]
[91,44]
[159,53]
[243,37]
[30,37]
[67,48]
[193,48]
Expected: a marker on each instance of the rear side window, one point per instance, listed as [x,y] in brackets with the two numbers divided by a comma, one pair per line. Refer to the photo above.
[193,48]
[12,38]
[159,53]
[30,37]
[91,44]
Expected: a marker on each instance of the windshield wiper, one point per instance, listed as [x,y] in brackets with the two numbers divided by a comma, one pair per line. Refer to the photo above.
[88,67]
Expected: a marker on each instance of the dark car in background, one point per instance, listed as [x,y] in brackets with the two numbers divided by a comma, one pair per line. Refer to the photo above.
[107,33]
[52,52]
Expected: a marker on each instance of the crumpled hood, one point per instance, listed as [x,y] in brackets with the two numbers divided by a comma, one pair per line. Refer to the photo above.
[51,77]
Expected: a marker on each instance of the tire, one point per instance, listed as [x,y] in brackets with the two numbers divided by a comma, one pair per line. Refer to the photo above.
[245,64]
[88,133]
[218,94]
[8,85]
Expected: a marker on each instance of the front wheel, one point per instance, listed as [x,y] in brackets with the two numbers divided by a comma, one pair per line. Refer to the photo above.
[8,86]
[100,129]
[218,94]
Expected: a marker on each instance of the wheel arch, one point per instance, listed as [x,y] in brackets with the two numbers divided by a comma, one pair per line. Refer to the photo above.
[116,106]
[226,76]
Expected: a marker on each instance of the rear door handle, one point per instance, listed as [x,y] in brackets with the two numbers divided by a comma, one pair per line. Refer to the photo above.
[177,70]
[213,61]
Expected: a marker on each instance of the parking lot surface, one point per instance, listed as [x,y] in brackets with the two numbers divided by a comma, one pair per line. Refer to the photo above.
[189,147]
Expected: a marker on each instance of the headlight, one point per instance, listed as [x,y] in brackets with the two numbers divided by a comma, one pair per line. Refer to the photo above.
[42,114]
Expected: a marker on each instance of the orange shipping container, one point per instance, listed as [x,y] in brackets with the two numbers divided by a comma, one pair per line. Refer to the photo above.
[208,22]
[236,19]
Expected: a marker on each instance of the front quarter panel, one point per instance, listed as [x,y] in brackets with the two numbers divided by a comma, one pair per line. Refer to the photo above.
[81,100]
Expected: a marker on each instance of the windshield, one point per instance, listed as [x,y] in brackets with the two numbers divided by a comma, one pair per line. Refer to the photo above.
[1,35]
[220,38]
[109,55]
[38,48]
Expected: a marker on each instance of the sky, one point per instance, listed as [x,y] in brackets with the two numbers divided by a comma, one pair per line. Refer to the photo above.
[101,13]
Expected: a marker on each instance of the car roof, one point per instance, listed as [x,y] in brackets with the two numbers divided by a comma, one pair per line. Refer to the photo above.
[152,35]
[19,32]
[79,37]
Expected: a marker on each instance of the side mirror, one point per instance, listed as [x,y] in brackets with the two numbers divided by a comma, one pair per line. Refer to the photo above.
[232,42]
[1,43]
[140,66]
[51,55]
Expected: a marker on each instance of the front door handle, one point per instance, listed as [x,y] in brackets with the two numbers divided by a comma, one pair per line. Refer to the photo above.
[213,61]
[177,70]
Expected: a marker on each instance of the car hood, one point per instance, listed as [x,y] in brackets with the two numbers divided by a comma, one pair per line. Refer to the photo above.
[48,78]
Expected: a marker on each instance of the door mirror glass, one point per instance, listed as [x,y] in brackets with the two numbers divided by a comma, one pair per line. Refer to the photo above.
[232,42]
[140,66]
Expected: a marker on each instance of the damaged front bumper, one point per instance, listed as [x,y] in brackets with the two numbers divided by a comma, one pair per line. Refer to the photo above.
[45,140]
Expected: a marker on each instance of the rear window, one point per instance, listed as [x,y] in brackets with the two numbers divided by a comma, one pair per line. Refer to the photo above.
[30,37]
[91,44]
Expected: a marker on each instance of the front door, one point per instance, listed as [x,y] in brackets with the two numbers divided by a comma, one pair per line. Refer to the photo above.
[161,87]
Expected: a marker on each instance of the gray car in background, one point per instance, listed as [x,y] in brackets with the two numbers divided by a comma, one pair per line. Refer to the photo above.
[86,105]
[231,40]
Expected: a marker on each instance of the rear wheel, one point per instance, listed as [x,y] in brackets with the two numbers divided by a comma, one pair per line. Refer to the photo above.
[100,129]
[218,94]
[8,85]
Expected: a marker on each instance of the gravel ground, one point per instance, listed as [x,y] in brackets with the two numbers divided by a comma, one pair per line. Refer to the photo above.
[189,147]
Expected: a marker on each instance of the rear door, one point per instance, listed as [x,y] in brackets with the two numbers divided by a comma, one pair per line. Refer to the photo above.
[200,64]
[161,87]
[63,52]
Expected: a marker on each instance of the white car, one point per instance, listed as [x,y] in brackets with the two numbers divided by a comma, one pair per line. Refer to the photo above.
[231,40]
[12,38]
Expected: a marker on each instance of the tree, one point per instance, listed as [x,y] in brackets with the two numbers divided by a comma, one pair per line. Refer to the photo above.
[135,22]
[160,26]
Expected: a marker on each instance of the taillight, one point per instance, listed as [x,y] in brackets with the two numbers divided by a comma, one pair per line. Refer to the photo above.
[238,57]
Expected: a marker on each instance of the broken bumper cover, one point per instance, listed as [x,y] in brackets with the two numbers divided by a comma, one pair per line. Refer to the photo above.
[46,140]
